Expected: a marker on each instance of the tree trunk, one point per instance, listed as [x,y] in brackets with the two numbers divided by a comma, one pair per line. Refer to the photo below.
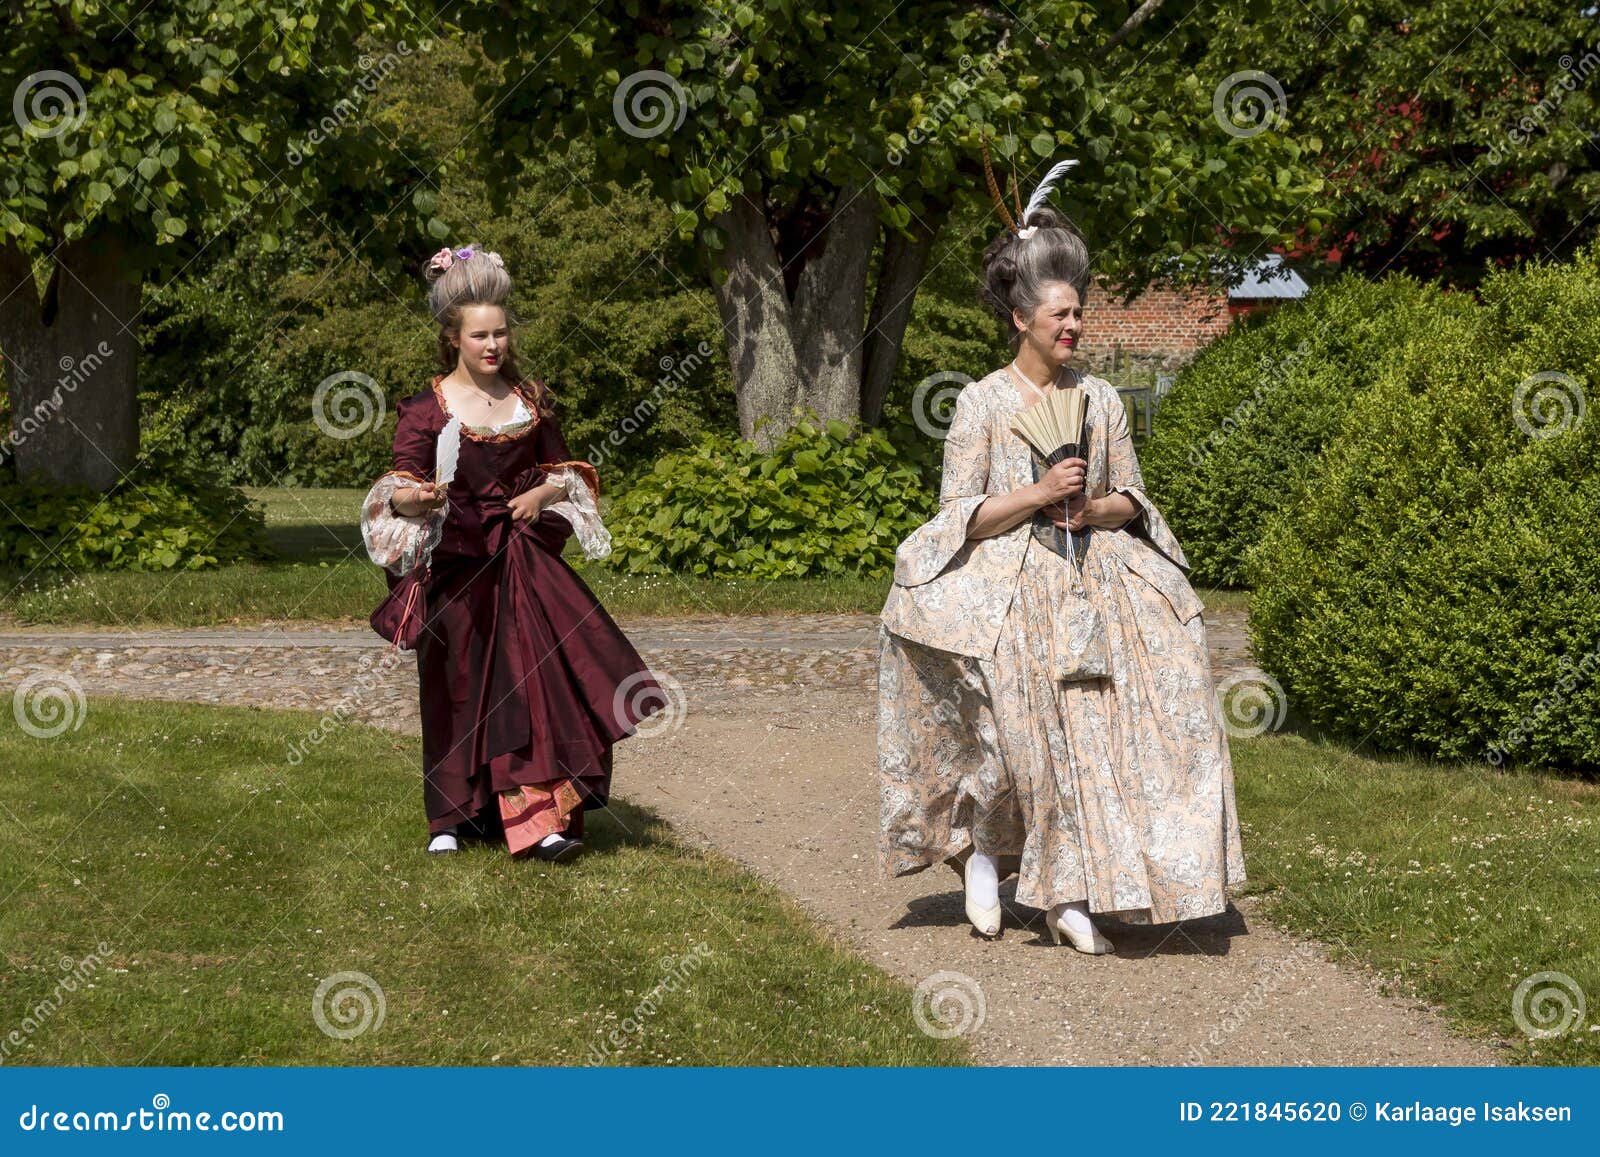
[807,351]
[70,361]
[755,317]
[899,275]
[830,304]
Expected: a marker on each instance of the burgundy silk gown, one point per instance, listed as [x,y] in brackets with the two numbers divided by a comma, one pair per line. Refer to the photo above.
[526,682]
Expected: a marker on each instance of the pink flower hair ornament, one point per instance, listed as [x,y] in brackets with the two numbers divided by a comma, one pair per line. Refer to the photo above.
[447,257]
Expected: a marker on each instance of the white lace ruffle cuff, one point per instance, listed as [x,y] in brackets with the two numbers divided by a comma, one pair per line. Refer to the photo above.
[396,542]
[578,508]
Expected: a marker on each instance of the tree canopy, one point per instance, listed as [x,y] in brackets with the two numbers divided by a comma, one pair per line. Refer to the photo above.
[787,136]
[140,132]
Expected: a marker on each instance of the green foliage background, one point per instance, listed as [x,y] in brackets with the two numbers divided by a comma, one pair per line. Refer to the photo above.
[1246,421]
[1430,586]
[828,501]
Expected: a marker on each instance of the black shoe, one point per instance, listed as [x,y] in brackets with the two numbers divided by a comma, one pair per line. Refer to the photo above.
[559,852]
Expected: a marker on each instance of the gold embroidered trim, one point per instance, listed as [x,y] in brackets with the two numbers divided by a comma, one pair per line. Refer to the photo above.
[397,474]
[521,430]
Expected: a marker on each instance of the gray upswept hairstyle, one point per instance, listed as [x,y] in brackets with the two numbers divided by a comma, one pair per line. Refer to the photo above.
[1016,269]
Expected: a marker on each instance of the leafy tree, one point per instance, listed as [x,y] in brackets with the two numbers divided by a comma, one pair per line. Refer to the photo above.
[789,138]
[1448,139]
[141,131]
[633,352]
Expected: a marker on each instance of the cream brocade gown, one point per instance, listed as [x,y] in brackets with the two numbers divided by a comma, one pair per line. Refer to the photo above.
[1115,788]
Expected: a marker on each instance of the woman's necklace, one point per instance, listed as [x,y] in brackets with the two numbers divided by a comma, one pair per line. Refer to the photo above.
[488,401]
[1029,381]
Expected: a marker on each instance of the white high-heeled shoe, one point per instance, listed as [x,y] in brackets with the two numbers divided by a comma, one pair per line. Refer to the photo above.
[1094,943]
[985,920]
[443,843]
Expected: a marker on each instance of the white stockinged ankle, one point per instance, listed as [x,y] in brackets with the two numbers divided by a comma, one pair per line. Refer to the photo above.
[983,880]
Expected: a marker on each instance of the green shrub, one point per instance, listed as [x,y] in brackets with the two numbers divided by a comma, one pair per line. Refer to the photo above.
[1432,588]
[635,351]
[166,516]
[943,336]
[608,317]
[1245,422]
[830,500]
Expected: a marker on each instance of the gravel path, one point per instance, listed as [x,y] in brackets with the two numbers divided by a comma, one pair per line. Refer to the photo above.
[771,760]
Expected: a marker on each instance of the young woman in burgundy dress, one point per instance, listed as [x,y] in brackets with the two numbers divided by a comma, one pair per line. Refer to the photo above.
[526,682]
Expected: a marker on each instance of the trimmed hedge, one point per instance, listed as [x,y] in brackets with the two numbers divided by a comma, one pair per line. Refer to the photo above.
[1433,587]
[1246,420]
[830,500]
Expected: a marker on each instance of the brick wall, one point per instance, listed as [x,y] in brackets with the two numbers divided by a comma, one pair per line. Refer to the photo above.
[1162,329]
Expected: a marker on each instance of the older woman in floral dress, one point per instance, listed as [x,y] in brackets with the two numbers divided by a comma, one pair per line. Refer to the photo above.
[1046,703]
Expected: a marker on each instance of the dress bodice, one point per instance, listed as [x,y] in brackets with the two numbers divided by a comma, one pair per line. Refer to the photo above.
[495,464]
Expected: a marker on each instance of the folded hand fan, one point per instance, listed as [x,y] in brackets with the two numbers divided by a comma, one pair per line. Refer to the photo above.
[1053,426]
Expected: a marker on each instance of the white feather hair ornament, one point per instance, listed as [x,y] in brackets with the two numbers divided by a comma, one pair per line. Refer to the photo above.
[448,451]
[1042,194]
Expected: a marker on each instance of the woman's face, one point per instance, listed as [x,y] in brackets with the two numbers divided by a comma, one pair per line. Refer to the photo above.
[1056,326]
[483,340]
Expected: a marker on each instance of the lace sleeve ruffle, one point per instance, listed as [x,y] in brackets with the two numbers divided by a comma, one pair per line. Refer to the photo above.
[395,542]
[578,507]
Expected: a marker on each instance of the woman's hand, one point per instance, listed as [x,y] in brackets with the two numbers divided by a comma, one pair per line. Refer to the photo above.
[1061,481]
[1110,512]
[1074,514]
[411,501]
[1000,512]
[527,506]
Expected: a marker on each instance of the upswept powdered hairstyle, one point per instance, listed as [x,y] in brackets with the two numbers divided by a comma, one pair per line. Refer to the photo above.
[467,276]
[1016,269]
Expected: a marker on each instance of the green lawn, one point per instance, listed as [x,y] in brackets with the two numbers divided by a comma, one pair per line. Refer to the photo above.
[226,882]
[324,576]
[1456,882]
